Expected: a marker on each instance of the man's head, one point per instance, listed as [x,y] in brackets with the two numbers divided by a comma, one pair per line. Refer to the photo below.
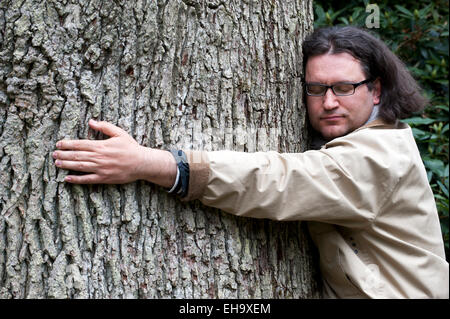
[336,55]
[345,106]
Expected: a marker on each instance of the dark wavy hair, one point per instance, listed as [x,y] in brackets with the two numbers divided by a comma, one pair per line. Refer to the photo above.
[400,94]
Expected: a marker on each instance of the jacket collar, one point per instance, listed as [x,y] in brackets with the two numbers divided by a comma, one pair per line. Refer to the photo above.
[380,123]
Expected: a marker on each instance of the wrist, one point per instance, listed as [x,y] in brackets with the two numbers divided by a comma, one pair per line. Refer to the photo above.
[159,167]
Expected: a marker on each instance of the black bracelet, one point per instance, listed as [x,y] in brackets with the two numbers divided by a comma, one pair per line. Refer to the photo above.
[182,186]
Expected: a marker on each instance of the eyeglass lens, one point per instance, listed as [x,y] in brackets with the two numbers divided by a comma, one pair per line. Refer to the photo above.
[338,89]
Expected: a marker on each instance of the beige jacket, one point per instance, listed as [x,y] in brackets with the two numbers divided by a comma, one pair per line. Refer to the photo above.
[366,196]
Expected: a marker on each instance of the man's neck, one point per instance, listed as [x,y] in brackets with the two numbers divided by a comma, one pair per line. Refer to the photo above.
[373,116]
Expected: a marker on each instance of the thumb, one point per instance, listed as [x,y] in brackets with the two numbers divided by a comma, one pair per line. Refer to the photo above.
[106,128]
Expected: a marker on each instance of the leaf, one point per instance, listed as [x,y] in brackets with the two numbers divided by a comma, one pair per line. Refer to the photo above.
[443,188]
[344,20]
[423,12]
[436,166]
[424,53]
[443,82]
[419,134]
[444,228]
[336,14]
[442,107]
[418,121]
[320,12]
[417,71]
[404,10]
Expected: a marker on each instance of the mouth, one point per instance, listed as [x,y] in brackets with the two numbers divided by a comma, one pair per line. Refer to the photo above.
[332,117]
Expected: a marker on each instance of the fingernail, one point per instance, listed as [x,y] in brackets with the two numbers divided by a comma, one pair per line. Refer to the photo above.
[58,144]
[57,162]
[55,155]
[68,179]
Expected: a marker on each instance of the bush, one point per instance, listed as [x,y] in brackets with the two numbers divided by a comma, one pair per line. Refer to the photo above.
[418,33]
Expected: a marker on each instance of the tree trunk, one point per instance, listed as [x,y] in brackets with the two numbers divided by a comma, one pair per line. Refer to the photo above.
[191,74]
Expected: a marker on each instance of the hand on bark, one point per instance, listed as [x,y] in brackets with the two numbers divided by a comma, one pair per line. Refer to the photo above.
[117,160]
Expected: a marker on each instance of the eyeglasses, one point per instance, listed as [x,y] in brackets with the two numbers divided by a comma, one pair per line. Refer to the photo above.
[339,89]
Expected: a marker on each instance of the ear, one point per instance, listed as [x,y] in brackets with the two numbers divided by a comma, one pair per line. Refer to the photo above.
[376,91]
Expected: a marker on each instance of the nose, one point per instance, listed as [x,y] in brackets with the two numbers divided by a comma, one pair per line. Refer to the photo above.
[329,100]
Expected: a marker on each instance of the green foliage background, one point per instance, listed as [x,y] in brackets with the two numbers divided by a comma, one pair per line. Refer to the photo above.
[418,33]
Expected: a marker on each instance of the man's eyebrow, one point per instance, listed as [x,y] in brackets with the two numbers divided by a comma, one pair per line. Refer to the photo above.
[333,83]
[319,83]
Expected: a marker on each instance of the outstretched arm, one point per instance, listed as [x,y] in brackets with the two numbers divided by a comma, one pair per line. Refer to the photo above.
[117,160]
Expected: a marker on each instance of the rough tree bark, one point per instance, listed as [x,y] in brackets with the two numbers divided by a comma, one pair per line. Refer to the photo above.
[189,73]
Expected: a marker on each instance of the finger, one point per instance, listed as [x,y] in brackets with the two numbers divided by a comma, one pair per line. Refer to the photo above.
[87,167]
[106,128]
[83,179]
[74,156]
[77,145]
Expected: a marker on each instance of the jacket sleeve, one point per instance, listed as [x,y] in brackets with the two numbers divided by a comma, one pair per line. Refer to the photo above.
[345,184]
